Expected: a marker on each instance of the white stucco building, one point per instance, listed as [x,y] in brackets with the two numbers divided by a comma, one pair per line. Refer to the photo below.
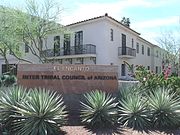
[100,40]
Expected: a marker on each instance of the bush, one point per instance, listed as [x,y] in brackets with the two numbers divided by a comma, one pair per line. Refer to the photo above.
[164,107]
[8,80]
[37,112]
[133,112]
[99,110]
[159,108]
[10,99]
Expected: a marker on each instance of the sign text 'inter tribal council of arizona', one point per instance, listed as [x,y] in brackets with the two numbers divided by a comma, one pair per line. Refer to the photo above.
[68,78]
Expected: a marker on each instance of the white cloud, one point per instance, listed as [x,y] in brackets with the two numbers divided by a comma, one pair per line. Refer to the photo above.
[89,10]
[172,20]
[151,30]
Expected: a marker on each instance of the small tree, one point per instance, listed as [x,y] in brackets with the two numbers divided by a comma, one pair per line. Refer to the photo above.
[39,21]
[171,44]
[125,21]
[10,42]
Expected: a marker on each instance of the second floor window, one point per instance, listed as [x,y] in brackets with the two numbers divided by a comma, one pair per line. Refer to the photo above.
[148,51]
[123,40]
[79,38]
[142,49]
[132,43]
[157,54]
[156,69]
[26,47]
[56,45]
[112,36]
[66,44]
[137,47]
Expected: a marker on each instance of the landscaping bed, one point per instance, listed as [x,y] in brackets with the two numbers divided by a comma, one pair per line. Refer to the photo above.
[152,104]
[81,130]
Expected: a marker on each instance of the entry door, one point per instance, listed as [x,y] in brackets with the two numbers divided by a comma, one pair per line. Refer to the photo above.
[123,70]
[123,44]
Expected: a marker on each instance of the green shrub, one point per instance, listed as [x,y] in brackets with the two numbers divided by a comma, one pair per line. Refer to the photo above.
[164,106]
[10,99]
[8,80]
[133,112]
[37,112]
[99,109]
[174,84]
[125,92]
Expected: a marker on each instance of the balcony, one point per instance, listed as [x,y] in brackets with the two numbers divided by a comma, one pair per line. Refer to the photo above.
[87,50]
[126,52]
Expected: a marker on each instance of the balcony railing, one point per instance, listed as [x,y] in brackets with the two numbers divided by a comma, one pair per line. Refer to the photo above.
[126,51]
[71,50]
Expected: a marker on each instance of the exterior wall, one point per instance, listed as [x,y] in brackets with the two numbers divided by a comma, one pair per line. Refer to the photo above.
[98,33]
[117,41]
[95,33]
[144,59]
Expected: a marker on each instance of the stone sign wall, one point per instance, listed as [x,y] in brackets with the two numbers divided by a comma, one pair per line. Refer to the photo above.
[68,78]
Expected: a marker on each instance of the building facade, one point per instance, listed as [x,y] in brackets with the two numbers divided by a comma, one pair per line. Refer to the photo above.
[102,41]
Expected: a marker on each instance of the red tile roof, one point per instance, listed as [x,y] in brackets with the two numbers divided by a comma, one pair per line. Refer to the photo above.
[106,15]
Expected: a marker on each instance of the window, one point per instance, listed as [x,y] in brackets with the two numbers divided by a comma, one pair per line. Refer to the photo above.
[123,70]
[111,35]
[66,44]
[148,51]
[156,69]
[9,68]
[157,53]
[160,54]
[79,38]
[123,44]
[148,67]
[79,42]
[142,49]
[132,43]
[56,45]
[26,47]
[137,47]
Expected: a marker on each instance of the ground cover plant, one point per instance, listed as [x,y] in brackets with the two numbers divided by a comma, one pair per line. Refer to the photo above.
[158,109]
[133,110]
[99,109]
[32,112]
[154,102]
[164,106]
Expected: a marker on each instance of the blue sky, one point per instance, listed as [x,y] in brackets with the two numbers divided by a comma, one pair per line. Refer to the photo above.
[148,17]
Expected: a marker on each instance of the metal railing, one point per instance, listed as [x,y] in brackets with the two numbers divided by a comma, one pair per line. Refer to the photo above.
[126,51]
[71,50]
